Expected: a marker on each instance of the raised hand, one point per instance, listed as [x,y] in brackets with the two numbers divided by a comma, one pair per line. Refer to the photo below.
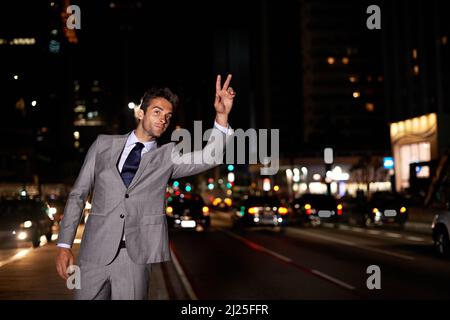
[224,96]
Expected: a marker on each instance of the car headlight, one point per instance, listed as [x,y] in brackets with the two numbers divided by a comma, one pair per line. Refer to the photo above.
[27,224]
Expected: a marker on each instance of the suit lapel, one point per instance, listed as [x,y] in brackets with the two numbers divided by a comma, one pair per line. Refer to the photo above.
[116,150]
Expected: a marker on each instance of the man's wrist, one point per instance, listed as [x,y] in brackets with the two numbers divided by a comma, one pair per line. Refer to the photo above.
[222,119]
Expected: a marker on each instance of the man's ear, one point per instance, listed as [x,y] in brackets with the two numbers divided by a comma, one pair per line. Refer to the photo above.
[140,114]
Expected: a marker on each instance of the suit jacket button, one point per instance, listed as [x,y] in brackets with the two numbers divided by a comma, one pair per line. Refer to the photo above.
[127,195]
[122,216]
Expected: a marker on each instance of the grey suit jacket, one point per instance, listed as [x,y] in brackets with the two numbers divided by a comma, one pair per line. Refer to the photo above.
[139,210]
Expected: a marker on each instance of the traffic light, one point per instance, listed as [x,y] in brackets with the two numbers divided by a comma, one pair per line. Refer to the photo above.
[230,167]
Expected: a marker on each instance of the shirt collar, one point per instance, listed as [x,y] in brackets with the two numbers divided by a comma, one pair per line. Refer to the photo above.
[132,139]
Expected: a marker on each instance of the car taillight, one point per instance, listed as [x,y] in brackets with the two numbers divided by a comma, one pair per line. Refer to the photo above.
[308,211]
[205,210]
[253,210]
[339,209]
[282,210]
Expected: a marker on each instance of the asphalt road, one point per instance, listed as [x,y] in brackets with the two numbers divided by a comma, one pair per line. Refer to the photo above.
[260,263]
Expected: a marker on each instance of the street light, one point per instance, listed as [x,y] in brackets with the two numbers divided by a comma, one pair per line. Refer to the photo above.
[131,105]
[34,103]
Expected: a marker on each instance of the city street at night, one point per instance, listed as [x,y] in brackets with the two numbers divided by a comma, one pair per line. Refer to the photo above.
[265,154]
[301,263]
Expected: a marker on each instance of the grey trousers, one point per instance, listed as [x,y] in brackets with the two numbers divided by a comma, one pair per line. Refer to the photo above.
[122,279]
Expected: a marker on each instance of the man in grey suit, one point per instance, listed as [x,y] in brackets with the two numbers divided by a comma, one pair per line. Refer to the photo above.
[127,174]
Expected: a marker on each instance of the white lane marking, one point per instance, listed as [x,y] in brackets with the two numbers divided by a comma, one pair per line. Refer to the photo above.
[351,244]
[358,229]
[320,236]
[334,280]
[273,253]
[415,238]
[344,227]
[374,232]
[19,255]
[183,277]
[392,235]
[289,260]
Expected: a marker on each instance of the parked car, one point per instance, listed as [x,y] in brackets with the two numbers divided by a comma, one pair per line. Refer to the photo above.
[441,227]
[386,208]
[25,220]
[313,209]
[188,211]
[260,211]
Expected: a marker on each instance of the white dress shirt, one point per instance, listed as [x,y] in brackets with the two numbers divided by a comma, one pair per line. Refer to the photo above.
[148,146]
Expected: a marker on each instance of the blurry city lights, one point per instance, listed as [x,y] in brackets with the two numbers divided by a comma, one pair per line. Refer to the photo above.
[210,186]
[229,185]
[76,144]
[356,94]
[289,173]
[176,184]
[23,193]
[414,54]
[16,77]
[370,107]
[76,135]
[22,236]
[27,224]
[188,188]
[416,70]
[330,60]
[304,170]
[276,188]
[231,177]
[353,79]
[34,103]
[316,177]
[345,60]
[131,105]
[266,184]
[230,167]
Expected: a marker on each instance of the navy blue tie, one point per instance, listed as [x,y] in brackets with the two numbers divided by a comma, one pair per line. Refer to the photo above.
[131,165]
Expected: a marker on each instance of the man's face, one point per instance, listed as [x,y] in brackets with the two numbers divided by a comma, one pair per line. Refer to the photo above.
[157,117]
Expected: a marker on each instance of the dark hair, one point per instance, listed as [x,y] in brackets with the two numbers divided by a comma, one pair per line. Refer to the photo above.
[165,93]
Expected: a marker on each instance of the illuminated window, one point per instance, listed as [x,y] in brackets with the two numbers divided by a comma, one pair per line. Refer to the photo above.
[416,70]
[414,54]
[416,152]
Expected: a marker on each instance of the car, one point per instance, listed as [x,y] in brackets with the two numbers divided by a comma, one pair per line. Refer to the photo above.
[56,208]
[440,233]
[188,211]
[265,210]
[25,220]
[386,208]
[314,209]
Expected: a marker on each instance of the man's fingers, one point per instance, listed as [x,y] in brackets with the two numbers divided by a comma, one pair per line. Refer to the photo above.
[61,270]
[227,83]
[218,80]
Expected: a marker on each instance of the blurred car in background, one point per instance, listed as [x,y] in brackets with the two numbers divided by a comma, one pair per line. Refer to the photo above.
[313,209]
[386,208]
[441,228]
[25,220]
[188,211]
[260,211]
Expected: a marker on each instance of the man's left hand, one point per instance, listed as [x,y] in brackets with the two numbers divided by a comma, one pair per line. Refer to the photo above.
[224,100]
